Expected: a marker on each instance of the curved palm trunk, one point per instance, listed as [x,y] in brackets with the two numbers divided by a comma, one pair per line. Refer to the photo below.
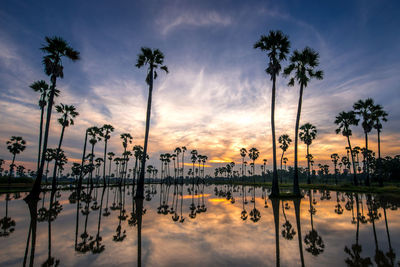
[275,186]
[40,135]
[355,181]
[53,185]
[34,194]
[296,188]
[140,187]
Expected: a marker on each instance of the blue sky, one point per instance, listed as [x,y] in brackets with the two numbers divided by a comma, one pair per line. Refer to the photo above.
[216,97]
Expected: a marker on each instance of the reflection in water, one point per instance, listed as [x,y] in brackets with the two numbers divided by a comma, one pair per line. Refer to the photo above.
[103,222]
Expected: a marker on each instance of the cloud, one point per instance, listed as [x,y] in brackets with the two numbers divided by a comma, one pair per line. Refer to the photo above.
[182,18]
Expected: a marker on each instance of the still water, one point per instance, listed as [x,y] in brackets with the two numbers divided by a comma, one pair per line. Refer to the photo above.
[199,226]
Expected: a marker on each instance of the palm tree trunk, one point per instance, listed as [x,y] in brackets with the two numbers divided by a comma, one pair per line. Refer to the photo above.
[283,152]
[366,160]
[355,181]
[34,194]
[53,185]
[296,189]
[308,165]
[82,163]
[104,160]
[109,172]
[140,188]
[40,135]
[275,186]
[11,169]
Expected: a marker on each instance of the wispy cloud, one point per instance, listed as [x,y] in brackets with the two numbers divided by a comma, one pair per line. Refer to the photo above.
[180,18]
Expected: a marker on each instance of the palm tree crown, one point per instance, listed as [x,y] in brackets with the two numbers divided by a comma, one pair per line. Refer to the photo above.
[153,58]
[68,113]
[308,133]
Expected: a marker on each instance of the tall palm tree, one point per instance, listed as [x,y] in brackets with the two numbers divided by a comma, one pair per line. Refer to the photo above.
[277,45]
[105,132]
[308,133]
[335,159]
[42,87]
[364,109]
[154,59]
[302,65]
[68,113]
[15,145]
[183,161]
[137,153]
[379,115]
[194,154]
[55,48]
[126,139]
[285,141]
[344,120]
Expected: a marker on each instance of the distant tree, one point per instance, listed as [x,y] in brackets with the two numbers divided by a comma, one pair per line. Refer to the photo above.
[335,158]
[364,109]
[308,133]
[344,120]
[15,145]
[105,133]
[253,155]
[285,141]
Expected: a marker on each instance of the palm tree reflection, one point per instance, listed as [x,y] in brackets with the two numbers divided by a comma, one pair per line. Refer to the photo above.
[314,242]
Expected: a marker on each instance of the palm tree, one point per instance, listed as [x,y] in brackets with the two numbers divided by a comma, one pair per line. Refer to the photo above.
[344,120]
[41,87]
[67,115]
[335,158]
[253,155]
[379,115]
[105,132]
[137,153]
[126,138]
[15,145]
[364,110]
[277,45]
[243,153]
[285,160]
[314,242]
[183,161]
[303,65]
[308,133]
[193,158]
[285,141]
[110,158]
[153,58]
[177,151]
[56,48]
[94,133]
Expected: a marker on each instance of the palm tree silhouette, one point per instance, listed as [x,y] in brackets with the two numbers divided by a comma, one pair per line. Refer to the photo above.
[308,133]
[303,65]
[297,203]
[183,161]
[379,115]
[105,132]
[7,225]
[288,232]
[335,159]
[110,155]
[285,141]
[243,153]
[15,145]
[253,155]
[41,87]
[277,45]
[344,120]
[364,110]
[94,133]
[154,59]
[56,48]
[67,115]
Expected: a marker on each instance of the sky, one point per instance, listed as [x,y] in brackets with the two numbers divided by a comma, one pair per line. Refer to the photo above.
[216,98]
